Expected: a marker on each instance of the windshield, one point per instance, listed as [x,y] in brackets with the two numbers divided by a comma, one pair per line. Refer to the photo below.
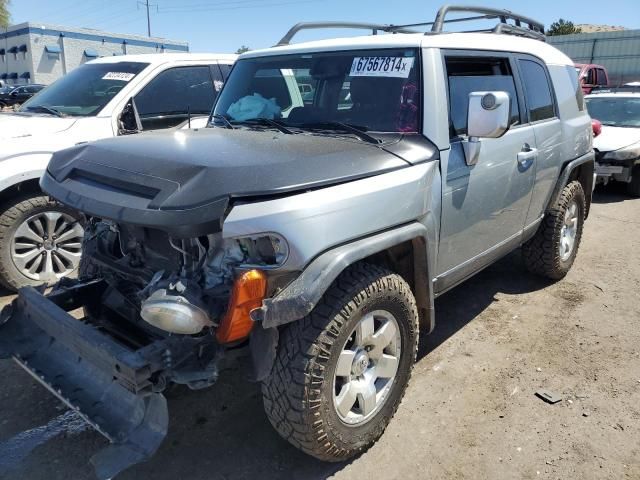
[615,111]
[86,90]
[373,90]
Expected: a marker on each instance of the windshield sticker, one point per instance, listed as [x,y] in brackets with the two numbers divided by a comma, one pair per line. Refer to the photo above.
[122,76]
[398,67]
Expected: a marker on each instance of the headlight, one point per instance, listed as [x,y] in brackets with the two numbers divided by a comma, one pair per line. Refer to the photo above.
[625,153]
[264,250]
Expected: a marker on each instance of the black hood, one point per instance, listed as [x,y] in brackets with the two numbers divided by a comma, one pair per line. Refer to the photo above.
[182,181]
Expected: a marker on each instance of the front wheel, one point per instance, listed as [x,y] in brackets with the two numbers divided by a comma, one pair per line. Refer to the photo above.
[553,249]
[40,241]
[341,372]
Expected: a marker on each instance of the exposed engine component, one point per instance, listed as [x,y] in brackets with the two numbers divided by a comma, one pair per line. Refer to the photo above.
[178,286]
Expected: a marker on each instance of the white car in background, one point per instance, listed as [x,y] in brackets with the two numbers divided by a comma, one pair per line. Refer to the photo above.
[618,145]
[107,97]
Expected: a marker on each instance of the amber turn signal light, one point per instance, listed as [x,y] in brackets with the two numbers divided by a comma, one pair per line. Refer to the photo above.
[248,292]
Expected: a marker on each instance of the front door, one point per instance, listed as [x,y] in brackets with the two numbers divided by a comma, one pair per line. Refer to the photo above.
[484,206]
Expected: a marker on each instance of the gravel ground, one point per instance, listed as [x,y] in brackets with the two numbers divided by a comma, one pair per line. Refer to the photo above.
[470,410]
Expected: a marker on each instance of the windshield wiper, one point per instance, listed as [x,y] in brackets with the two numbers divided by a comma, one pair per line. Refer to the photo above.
[45,109]
[345,127]
[268,122]
[224,119]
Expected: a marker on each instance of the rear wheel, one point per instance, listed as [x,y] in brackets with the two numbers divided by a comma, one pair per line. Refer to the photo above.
[40,241]
[341,372]
[633,187]
[553,249]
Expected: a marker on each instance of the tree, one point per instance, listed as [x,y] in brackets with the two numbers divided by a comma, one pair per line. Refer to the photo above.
[4,13]
[242,49]
[563,27]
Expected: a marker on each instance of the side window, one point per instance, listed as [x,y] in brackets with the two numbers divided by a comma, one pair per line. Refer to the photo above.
[537,90]
[573,75]
[477,74]
[306,84]
[169,98]
[591,77]
[601,77]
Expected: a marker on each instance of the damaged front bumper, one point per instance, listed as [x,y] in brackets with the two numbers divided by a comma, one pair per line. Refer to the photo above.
[106,381]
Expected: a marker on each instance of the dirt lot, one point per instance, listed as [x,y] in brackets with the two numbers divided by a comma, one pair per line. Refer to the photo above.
[470,411]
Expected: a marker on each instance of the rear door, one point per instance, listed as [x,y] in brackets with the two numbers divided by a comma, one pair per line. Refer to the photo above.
[483,205]
[541,112]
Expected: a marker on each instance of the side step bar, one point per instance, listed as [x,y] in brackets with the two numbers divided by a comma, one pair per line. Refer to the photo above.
[105,382]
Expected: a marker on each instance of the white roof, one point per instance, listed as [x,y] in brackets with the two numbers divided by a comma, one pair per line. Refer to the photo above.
[463,41]
[161,58]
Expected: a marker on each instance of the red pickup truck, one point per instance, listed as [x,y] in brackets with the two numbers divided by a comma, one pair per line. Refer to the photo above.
[592,76]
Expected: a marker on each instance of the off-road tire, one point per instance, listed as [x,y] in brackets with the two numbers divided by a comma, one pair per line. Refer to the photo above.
[541,254]
[633,187]
[12,214]
[298,394]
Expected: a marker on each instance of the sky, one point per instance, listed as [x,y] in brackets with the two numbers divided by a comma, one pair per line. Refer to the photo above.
[222,26]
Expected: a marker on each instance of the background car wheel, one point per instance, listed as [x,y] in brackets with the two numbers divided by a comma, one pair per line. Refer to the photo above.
[40,241]
[341,372]
[554,247]
[633,187]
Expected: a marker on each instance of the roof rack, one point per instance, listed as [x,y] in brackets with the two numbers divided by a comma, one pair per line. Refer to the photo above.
[522,26]
[374,27]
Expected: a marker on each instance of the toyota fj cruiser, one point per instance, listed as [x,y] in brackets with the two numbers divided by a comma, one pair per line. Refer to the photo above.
[316,233]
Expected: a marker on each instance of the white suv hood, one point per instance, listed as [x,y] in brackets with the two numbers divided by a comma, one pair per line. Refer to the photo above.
[14,125]
[615,138]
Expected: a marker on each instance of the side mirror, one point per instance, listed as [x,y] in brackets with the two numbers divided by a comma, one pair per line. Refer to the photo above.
[487,117]
[129,120]
[14,93]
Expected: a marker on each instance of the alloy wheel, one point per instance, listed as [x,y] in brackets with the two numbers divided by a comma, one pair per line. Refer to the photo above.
[47,246]
[367,367]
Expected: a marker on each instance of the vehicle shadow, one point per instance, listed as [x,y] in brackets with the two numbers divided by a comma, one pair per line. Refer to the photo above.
[461,305]
[614,192]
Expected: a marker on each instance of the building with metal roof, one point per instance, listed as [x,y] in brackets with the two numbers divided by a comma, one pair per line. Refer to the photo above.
[41,53]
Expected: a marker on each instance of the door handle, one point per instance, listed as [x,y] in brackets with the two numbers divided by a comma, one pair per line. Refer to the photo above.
[527,154]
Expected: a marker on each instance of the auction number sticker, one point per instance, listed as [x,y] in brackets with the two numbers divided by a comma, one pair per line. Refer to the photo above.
[122,76]
[398,67]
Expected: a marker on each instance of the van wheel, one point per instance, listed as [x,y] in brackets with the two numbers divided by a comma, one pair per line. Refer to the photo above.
[633,187]
[341,371]
[40,241]
[553,249]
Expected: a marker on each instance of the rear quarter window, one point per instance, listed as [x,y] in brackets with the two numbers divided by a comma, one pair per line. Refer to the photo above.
[537,91]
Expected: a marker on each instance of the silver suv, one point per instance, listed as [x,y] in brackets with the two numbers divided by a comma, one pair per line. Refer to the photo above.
[316,232]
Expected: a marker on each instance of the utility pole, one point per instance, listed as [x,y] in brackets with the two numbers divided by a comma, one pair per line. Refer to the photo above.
[147,5]
[148,19]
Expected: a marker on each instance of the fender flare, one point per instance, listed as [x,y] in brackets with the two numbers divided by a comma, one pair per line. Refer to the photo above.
[300,297]
[586,178]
